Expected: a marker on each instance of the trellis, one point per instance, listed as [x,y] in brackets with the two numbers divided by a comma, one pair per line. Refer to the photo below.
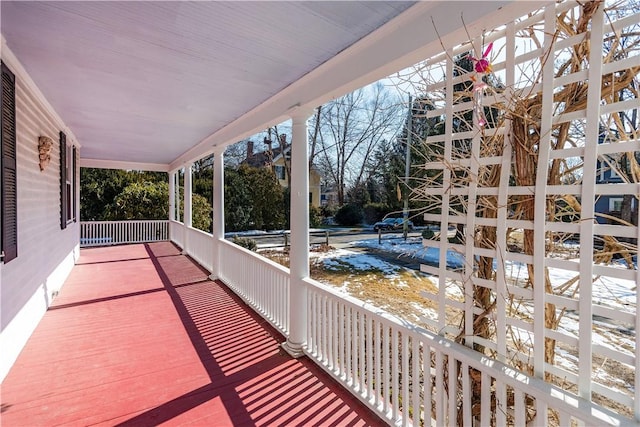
[564,134]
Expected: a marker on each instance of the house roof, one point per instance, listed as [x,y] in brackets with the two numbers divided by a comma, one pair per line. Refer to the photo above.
[261,158]
[163,83]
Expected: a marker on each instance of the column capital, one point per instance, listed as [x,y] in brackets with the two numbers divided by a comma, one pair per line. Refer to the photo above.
[301,112]
[219,149]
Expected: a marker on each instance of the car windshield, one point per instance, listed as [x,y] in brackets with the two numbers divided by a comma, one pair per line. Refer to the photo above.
[390,220]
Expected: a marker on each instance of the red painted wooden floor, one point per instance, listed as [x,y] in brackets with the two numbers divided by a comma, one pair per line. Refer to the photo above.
[139,336]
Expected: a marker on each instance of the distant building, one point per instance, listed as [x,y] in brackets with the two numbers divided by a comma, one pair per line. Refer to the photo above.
[607,172]
[274,158]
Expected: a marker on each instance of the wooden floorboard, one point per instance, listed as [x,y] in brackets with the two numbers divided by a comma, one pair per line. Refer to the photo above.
[139,336]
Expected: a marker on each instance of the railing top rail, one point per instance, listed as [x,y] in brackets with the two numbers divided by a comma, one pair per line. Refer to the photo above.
[271,234]
[127,221]
[272,264]
[197,230]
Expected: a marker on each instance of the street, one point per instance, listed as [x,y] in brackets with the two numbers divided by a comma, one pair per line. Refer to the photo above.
[340,238]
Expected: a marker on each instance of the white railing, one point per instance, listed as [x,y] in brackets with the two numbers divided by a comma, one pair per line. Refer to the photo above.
[407,374]
[176,233]
[404,373]
[200,247]
[101,233]
[261,283]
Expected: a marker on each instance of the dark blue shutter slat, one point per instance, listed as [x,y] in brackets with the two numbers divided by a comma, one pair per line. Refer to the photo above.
[9,171]
[63,180]
[75,183]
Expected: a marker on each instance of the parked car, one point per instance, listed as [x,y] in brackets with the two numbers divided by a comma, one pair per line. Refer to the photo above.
[391,224]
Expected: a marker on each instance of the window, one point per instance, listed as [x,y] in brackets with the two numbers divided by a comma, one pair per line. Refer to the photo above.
[615,204]
[9,193]
[67,182]
[608,168]
[280,172]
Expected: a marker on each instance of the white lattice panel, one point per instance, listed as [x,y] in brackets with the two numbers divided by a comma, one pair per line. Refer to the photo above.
[557,166]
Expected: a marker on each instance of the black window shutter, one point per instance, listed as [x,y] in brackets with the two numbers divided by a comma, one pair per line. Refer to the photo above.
[63,181]
[9,175]
[75,184]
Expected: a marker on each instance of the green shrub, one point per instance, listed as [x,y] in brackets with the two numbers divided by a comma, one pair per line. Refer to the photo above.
[328,211]
[245,242]
[374,212]
[349,214]
[315,216]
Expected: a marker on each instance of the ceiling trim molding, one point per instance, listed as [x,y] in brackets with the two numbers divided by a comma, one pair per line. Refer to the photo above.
[113,164]
[9,58]
[400,43]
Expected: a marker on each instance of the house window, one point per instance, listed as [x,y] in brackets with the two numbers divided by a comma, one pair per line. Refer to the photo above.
[615,204]
[67,182]
[608,169]
[280,172]
[9,198]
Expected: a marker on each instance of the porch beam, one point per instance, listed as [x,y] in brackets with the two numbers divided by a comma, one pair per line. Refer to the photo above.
[218,210]
[299,251]
[121,165]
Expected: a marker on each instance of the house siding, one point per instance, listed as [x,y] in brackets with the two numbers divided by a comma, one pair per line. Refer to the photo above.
[314,182]
[46,254]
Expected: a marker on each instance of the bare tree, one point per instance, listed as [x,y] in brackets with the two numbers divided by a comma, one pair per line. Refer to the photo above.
[313,137]
[236,153]
[350,128]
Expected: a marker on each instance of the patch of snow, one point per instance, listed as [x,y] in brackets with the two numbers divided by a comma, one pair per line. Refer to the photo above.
[245,233]
[426,312]
[341,258]
[566,360]
[413,248]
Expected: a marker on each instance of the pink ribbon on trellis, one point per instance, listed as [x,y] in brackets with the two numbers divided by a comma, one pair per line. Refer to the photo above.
[481,66]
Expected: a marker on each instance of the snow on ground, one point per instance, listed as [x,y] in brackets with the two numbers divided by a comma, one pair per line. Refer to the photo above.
[342,258]
[613,293]
[413,248]
[349,261]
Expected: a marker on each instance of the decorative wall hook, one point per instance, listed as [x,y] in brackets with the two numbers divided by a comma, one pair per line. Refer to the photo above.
[44,149]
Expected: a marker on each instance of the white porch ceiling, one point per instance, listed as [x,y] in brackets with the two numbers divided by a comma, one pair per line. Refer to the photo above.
[164,82]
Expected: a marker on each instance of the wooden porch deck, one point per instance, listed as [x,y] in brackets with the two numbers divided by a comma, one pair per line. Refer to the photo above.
[139,336]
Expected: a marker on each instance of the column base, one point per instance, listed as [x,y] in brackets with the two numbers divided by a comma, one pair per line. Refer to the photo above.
[294,350]
[213,277]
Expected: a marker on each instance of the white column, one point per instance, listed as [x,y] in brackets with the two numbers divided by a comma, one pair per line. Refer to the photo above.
[299,253]
[218,211]
[172,196]
[188,188]
[176,177]
[187,206]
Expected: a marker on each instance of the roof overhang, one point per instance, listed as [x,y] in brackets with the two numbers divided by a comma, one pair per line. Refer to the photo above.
[156,85]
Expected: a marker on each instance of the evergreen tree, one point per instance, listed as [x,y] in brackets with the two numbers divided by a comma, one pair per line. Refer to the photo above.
[100,187]
[253,199]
